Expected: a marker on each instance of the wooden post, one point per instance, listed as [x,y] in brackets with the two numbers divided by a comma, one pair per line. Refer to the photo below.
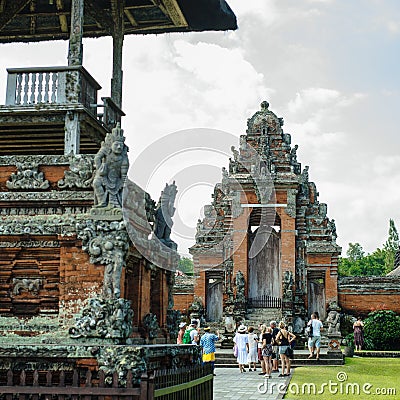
[118,39]
[75,50]
[75,57]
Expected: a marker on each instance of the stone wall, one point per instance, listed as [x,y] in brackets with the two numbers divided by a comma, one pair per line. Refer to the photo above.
[361,295]
[183,293]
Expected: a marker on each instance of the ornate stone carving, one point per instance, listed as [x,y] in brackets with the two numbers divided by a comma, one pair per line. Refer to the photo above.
[121,360]
[298,325]
[42,225]
[163,215]
[150,325]
[27,177]
[288,286]
[104,318]
[111,167]
[80,174]
[31,285]
[36,159]
[31,243]
[53,195]
[196,309]
[173,319]
[333,322]
[291,203]
[332,228]
[240,287]
[107,243]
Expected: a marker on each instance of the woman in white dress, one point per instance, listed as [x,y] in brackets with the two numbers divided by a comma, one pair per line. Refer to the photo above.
[252,357]
[242,343]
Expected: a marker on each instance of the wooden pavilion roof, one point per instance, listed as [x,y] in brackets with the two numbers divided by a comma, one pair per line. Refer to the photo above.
[39,20]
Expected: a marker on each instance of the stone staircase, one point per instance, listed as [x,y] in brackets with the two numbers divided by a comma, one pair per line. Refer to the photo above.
[256,316]
[224,358]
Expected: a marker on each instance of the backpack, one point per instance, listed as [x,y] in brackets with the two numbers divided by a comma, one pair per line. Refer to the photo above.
[309,330]
[186,336]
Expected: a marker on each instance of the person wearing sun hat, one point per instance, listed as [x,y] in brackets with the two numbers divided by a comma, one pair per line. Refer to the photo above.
[207,343]
[241,341]
[182,328]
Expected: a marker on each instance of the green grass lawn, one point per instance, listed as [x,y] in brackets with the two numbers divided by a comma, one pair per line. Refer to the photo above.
[359,378]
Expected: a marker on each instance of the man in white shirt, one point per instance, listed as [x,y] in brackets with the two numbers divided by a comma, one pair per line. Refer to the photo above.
[314,342]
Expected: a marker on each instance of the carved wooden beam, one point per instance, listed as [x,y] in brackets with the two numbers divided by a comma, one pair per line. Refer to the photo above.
[131,18]
[62,17]
[10,10]
[100,16]
[32,8]
[175,12]
[158,4]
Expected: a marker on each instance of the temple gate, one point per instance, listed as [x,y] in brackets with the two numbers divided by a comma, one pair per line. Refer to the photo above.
[266,231]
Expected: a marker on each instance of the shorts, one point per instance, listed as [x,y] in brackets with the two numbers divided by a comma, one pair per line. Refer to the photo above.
[314,341]
[282,349]
[210,357]
[267,352]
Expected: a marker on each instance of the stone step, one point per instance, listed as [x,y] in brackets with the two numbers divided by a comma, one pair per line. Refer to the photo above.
[226,359]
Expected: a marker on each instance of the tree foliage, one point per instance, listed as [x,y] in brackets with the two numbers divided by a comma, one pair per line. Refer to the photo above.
[382,330]
[186,265]
[378,263]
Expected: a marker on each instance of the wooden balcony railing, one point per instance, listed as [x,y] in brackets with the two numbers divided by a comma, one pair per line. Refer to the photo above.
[61,86]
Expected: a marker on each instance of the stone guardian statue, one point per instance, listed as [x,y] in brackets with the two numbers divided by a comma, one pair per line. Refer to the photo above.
[111,167]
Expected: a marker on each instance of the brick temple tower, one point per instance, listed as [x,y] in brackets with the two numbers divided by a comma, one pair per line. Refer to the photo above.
[266,240]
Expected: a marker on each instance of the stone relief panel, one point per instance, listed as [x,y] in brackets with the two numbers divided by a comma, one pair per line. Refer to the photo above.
[80,173]
[29,285]
[27,177]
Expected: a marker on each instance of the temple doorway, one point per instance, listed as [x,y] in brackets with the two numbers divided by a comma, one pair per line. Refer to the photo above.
[316,293]
[264,275]
[214,300]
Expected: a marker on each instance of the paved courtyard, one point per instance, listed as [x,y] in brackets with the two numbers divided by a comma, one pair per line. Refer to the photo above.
[231,384]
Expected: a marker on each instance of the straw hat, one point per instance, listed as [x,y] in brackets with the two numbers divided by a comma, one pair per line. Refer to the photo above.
[242,329]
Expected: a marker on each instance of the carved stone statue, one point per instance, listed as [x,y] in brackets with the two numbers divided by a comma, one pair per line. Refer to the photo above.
[240,284]
[298,325]
[287,286]
[333,323]
[332,227]
[150,324]
[163,215]
[111,167]
[293,154]
[235,154]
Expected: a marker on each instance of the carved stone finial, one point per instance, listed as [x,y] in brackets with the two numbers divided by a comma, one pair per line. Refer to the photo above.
[163,215]
[264,106]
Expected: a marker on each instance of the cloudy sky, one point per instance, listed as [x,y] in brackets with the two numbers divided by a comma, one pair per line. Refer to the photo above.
[328,67]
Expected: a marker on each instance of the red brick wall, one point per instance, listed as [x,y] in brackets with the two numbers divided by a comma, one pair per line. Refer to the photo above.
[361,295]
[182,301]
